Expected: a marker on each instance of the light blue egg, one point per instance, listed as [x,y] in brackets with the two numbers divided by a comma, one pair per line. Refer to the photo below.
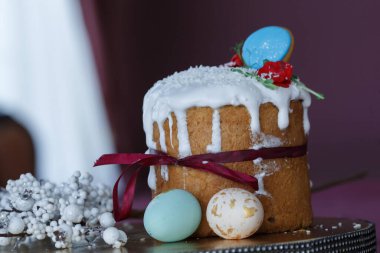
[269,43]
[172,216]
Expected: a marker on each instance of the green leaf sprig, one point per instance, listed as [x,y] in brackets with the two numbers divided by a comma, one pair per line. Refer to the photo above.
[301,85]
[266,82]
[238,50]
[270,85]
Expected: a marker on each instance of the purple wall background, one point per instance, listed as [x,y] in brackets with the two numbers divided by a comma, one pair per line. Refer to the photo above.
[337,46]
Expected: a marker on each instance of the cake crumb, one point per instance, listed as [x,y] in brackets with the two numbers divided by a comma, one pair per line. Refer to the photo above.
[326,229]
[334,227]
[356,225]
[308,232]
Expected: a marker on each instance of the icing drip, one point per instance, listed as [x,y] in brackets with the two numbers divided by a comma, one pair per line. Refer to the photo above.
[216,139]
[306,123]
[254,112]
[152,178]
[162,136]
[164,172]
[267,168]
[170,119]
[213,87]
[283,117]
[260,179]
[267,141]
[183,136]
[257,161]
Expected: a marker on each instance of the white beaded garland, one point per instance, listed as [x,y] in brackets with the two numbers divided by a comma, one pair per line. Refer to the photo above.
[66,213]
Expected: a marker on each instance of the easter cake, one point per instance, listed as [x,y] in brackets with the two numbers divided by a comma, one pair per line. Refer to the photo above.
[254,102]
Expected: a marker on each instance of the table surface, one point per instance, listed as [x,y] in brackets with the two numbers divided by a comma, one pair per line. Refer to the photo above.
[357,199]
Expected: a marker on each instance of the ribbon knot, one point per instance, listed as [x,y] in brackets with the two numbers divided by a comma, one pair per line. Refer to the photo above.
[210,162]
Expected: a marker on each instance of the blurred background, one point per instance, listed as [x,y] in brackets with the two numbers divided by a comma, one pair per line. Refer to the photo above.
[337,43]
[73,75]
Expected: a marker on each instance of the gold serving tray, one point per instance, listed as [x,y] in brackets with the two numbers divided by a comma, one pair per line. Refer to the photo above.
[325,235]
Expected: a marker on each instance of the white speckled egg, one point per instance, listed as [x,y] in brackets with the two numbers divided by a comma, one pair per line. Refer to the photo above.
[234,213]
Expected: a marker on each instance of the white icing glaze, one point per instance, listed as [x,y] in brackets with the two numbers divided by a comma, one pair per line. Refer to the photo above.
[266,168]
[162,136]
[257,161]
[165,172]
[152,180]
[216,138]
[306,123]
[267,141]
[213,87]
[170,119]
[183,135]
[260,180]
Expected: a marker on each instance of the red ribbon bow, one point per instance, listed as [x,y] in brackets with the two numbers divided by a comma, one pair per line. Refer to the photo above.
[210,162]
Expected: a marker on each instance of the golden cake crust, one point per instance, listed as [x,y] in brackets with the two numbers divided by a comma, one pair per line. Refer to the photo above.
[287,182]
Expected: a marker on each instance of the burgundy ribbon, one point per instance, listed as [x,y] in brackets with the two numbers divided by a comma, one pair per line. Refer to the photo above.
[211,162]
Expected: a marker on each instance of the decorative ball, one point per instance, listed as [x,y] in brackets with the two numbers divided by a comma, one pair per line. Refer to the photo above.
[234,213]
[106,220]
[16,225]
[271,43]
[123,236]
[121,241]
[111,235]
[172,216]
[73,213]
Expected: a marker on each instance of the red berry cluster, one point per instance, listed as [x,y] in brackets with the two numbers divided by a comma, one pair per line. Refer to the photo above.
[280,72]
[236,61]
